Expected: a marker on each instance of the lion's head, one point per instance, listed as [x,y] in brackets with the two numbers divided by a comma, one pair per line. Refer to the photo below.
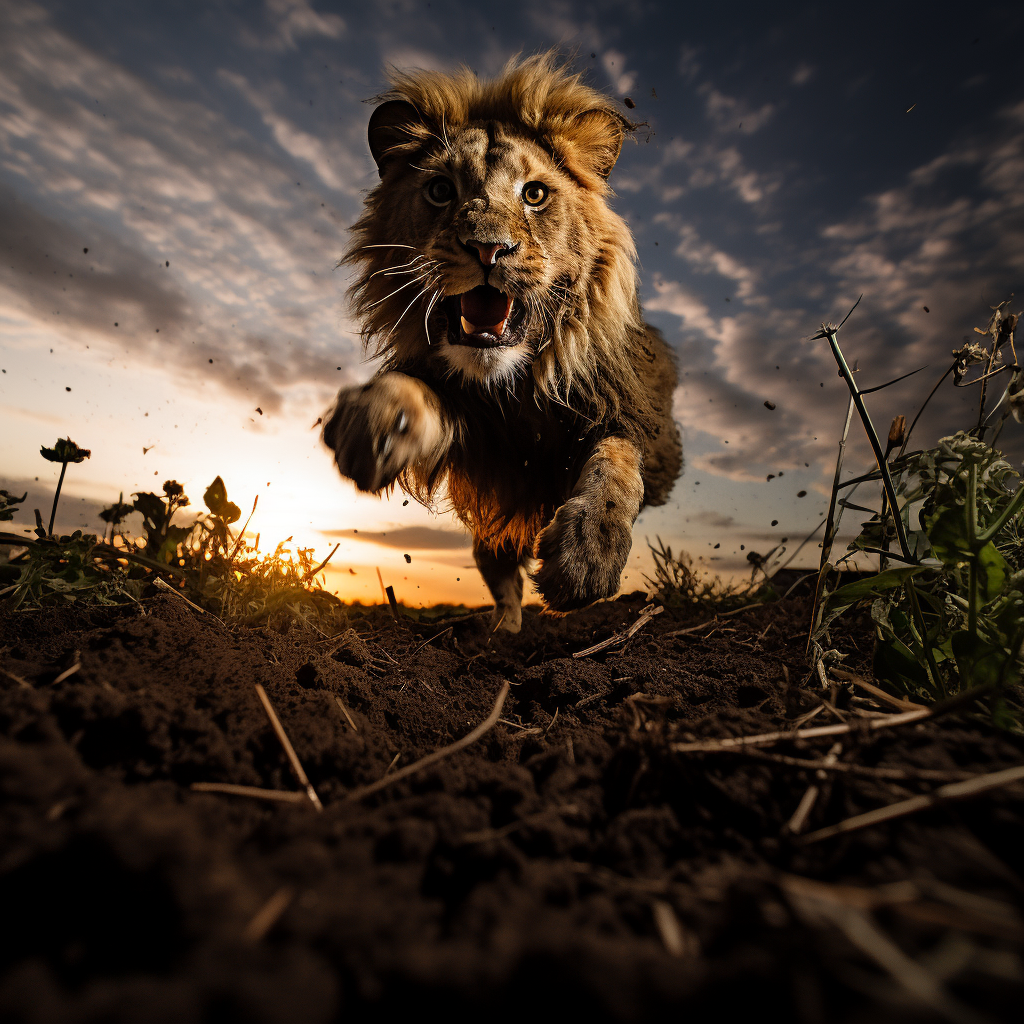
[489,243]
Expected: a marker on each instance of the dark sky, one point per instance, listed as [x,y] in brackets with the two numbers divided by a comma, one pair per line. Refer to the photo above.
[210,155]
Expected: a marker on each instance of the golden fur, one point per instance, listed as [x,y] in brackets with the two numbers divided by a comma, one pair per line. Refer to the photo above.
[585,305]
[565,418]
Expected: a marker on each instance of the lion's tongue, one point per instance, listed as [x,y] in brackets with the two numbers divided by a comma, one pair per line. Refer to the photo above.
[485,309]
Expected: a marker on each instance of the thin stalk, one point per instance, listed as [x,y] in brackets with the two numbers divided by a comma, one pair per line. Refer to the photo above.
[56,498]
[831,526]
[924,406]
[830,333]
[972,543]
[933,669]
[1011,510]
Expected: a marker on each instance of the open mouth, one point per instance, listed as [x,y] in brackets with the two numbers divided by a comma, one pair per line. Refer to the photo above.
[483,318]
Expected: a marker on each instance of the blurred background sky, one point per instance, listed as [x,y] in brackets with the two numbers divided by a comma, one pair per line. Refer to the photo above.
[176,180]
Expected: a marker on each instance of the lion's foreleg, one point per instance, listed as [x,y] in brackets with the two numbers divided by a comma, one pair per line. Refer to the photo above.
[379,429]
[502,572]
[583,550]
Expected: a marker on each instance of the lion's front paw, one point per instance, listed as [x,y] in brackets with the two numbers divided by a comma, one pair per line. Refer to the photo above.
[379,429]
[583,551]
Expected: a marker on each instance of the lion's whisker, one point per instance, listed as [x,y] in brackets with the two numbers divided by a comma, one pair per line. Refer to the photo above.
[400,288]
[393,270]
[426,316]
[416,298]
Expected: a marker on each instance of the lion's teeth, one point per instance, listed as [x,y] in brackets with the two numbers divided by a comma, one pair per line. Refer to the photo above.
[497,329]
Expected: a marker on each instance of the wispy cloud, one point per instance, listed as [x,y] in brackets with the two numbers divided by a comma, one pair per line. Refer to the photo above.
[195,229]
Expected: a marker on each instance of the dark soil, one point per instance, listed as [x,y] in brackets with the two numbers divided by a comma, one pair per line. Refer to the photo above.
[572,869]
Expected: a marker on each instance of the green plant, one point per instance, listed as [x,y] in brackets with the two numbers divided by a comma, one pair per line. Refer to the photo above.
[201,558]
[950,617]
[677,584]
[64,451]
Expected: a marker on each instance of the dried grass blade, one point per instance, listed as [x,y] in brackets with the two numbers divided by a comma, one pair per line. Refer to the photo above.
[293,758]
[285,796]
[423,762]
[623,635]
[267,916]
[954,791]
[763,739]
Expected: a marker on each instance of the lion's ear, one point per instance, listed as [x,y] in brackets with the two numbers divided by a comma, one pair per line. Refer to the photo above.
[390,127]
[597,135]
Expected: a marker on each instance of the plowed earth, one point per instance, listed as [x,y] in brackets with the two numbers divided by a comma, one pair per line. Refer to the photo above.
[566,866]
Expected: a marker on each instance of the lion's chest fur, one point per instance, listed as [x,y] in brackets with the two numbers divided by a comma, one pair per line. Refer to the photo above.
[513,462]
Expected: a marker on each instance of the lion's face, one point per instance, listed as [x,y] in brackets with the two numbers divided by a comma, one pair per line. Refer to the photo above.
[489,221]
[489,244]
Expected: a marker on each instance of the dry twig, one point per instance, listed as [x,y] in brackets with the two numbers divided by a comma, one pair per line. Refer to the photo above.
[286,796]
[902,703]
[423,762]
[344,711]
[293,758]
[67,673]
[267,916]
[953,791]
[796,823]
[766,738]
[815,904]
[621,637]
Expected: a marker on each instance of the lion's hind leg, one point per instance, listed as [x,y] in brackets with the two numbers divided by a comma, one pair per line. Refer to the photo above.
[503,574]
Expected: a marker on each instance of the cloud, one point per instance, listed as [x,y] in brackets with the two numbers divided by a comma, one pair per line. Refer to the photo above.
[196,229]
[288,21]
[335,165]
[410,538]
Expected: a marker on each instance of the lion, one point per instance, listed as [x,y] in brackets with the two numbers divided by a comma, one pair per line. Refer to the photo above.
[501,291]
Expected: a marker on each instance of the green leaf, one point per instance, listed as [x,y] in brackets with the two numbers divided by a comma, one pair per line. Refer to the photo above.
[947,533]
[978,662]
[847,596]
[993,570]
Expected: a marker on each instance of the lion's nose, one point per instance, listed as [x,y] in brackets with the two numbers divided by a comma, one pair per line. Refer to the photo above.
[490,252]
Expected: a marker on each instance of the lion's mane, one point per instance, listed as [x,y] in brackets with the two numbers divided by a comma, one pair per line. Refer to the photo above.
[593,318]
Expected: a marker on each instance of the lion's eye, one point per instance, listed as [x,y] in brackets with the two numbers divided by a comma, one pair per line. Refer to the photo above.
[534,193]
[440,191]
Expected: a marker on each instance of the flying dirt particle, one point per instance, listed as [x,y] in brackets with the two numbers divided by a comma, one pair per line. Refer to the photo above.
[67,389]
[115,323]
[629,103]
[167,263]
[210,360]
[718,545]
[654,94]
[404,503]
[259,410]
[319,420]
[352,571]
[593,56]
[775,522]
[144,448]
[408,558]
[801,494]
[85,250]
[769,405]
[158,330]
[771,476]
[926,309]
[742,548]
